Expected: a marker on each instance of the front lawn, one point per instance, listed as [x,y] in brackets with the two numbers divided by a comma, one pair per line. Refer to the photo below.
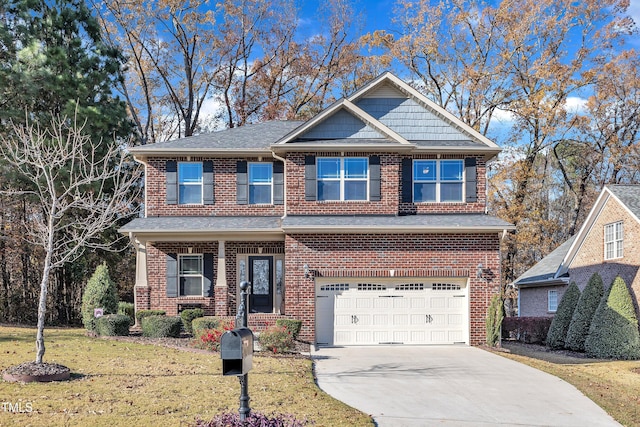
[123,383]
[613,385]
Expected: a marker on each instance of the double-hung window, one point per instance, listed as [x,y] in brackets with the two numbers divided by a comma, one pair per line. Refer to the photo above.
[190,275]
[260,183]
[552,301]
[438,180]
[613,241]
[343,178]
[190,182]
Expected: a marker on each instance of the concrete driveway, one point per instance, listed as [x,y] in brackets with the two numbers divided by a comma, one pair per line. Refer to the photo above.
[451,386]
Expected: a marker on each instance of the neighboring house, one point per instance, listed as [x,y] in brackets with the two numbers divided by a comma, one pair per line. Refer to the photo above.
[366,222]
[608,243]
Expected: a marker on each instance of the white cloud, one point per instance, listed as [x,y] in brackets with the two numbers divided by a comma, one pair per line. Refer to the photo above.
[211,114]
[575,104]
[634,10]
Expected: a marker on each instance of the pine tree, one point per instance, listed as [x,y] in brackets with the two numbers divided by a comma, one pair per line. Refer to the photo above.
[99,293]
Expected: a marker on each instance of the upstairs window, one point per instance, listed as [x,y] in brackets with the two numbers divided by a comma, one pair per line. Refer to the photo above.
[613,241]
[438,180]
[343,178]
[190,183]
[190,275]
[260,183]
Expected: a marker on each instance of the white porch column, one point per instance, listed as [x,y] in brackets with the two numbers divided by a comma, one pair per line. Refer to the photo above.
[221,277]
[221,289]
[141,274]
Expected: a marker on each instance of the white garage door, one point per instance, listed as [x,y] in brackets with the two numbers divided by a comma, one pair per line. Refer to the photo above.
[428,311]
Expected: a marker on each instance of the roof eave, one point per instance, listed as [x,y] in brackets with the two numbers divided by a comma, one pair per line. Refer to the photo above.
[199,152]
[177,235]
[386,229]
[540,283]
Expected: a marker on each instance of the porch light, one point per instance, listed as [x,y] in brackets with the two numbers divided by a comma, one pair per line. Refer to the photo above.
[480,271]
[306,271]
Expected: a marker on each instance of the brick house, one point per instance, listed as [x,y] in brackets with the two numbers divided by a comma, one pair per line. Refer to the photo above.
[607,243]
[366,222]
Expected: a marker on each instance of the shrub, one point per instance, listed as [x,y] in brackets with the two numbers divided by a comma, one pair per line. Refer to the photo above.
[582,315]
[201,324]
[141,314]
[187,317]
[161,326]
[614,330]
[495,315]
[291,325]
[277,339]
[560,324]
[100,292]
[113,325]
[127,309]
[209,339]
[254,419]
[531,330]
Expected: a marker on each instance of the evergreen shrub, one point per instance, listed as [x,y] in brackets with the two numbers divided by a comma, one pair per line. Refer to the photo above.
[127,309]
[141,314]
[614,330]
[560,324]
[161,326]
[100,292]
[495,315]
[200,324]
[113,325]
[291,325]
[277,339]
[188,316]
[583,314]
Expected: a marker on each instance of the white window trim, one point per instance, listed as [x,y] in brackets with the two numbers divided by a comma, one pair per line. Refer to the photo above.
[342,179]
[201,275]
[200,184]
[549,293]
[438,181]
[270,184]
[617,241]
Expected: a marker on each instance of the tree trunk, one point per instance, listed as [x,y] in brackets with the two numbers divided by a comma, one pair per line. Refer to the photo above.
[42,311]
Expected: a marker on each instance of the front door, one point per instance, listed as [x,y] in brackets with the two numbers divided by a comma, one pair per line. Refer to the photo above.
[261,278]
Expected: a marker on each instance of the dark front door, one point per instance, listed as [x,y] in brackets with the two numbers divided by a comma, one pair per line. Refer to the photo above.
[261,278]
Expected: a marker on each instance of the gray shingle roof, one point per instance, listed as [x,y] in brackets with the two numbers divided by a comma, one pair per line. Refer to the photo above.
[190,224]
[629,195]
[547,268]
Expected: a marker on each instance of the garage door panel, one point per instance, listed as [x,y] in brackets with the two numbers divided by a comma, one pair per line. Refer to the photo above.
[400,319]
[438,336]
[400,303]
[381,319]
[454,319]
[455,302]
[438,302]
[382,303]
[418,302]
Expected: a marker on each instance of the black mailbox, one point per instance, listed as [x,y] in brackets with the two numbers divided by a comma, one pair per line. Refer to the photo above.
[236,351]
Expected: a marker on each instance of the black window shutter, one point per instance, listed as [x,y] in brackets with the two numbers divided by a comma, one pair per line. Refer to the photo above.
[172,275]
[470,172]
[242,183]
[278,183]
[172,182]
[310,187]
[207,275]
[207,182]
[374,178]
[407,180]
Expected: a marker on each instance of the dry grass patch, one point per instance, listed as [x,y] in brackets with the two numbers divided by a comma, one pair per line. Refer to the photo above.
[123,383]
[613,385]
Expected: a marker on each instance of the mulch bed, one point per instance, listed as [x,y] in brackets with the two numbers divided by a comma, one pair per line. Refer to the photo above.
[36,372]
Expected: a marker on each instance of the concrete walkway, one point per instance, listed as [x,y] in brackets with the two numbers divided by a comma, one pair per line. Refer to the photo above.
[451,386]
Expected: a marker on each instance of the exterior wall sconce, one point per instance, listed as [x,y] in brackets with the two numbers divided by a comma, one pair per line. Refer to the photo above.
[480,271]
[306,271]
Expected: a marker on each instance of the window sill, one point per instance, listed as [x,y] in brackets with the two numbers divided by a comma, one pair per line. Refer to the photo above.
[343,201]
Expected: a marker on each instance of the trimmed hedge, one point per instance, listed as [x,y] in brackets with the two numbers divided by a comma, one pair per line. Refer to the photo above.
[100,292]
[113,325]
[532,330]
[277,339]
[188,316]
[291,325]
[201,324]
[161,326]
[560,324]
[614,330]
[583,314]
[128,309]
[141,314]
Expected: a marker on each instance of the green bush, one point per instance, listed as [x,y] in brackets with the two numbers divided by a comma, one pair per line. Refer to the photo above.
[209,339]
[530,330]
[291,325]
[161,326]
[495,315]
[127,309]
[113,325]
[100,292]
[582,315]
[560,324]
[141,314]
[188,316]
[200,324]
[276,339]
[614,330]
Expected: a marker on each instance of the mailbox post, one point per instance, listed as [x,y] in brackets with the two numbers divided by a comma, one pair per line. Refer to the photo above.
[236,352]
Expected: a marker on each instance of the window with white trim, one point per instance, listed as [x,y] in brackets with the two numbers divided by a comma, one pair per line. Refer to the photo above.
[190,183]
[260,183]
[438,180]
[343,178]
[613,241]
[552,301]
[190,275]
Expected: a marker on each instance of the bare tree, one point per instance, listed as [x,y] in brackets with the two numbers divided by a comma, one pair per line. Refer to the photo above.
[69,176]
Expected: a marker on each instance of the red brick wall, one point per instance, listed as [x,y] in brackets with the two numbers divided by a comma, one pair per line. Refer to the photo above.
[374,255]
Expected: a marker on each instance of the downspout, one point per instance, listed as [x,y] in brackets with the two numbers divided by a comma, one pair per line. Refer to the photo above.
[284,195]
[144,163]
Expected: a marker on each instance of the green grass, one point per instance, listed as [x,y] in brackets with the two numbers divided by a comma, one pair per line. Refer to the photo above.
[614,385]
[122,384]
